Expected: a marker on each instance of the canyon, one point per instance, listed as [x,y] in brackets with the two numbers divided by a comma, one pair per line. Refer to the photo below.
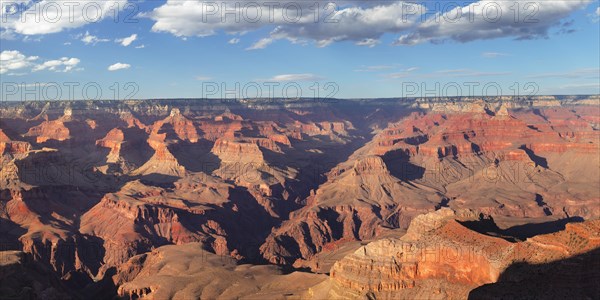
[445,198]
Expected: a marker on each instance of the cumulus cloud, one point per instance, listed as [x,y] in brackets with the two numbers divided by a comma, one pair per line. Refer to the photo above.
[118,66]
[234,41]
[294,21]
[489,19]
[13,60]
[127,40]
[33,17]
[64,64]
[88,39]
[363,23]
[295,77]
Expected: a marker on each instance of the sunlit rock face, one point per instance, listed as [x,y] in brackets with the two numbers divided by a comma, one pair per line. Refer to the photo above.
[86,186]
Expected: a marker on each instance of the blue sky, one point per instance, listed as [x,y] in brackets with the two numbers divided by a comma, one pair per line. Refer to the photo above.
[180,49]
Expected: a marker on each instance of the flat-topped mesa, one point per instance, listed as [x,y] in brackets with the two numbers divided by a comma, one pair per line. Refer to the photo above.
[235,151]
[215,130]
[452,103]
[477,106]
[323,128]
[113,141]
[50,130]
[369,165]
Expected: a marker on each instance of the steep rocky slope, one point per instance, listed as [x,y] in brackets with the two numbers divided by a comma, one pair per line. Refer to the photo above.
[441,257]
[86,185]
[518,163]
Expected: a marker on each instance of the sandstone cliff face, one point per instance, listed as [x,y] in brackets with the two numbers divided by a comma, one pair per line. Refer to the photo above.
[440,255]
[139,218]
[230,151]
[9,147]
[49,130]
[184,128]
[492,159]
[367,203]
[86,185]
[113,141]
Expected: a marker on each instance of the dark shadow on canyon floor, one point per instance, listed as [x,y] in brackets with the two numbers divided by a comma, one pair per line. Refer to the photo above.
[577,277]
[487,226]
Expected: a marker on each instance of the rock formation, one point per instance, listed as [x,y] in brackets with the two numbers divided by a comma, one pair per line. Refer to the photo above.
[440,255]
[91,187]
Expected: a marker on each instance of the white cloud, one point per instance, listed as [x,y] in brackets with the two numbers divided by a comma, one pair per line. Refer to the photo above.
[140,47]
[368,42]
[364,23]
[7,34]
[13,60]
[261,44]
[489,19]
[234,41]
[64,64]
[295,77]
[595,16]
[88,39]
[127,40]
[118,66]
[52,16]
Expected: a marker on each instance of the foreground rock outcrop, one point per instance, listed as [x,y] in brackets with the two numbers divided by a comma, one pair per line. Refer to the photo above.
[441,257]
[188,272]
